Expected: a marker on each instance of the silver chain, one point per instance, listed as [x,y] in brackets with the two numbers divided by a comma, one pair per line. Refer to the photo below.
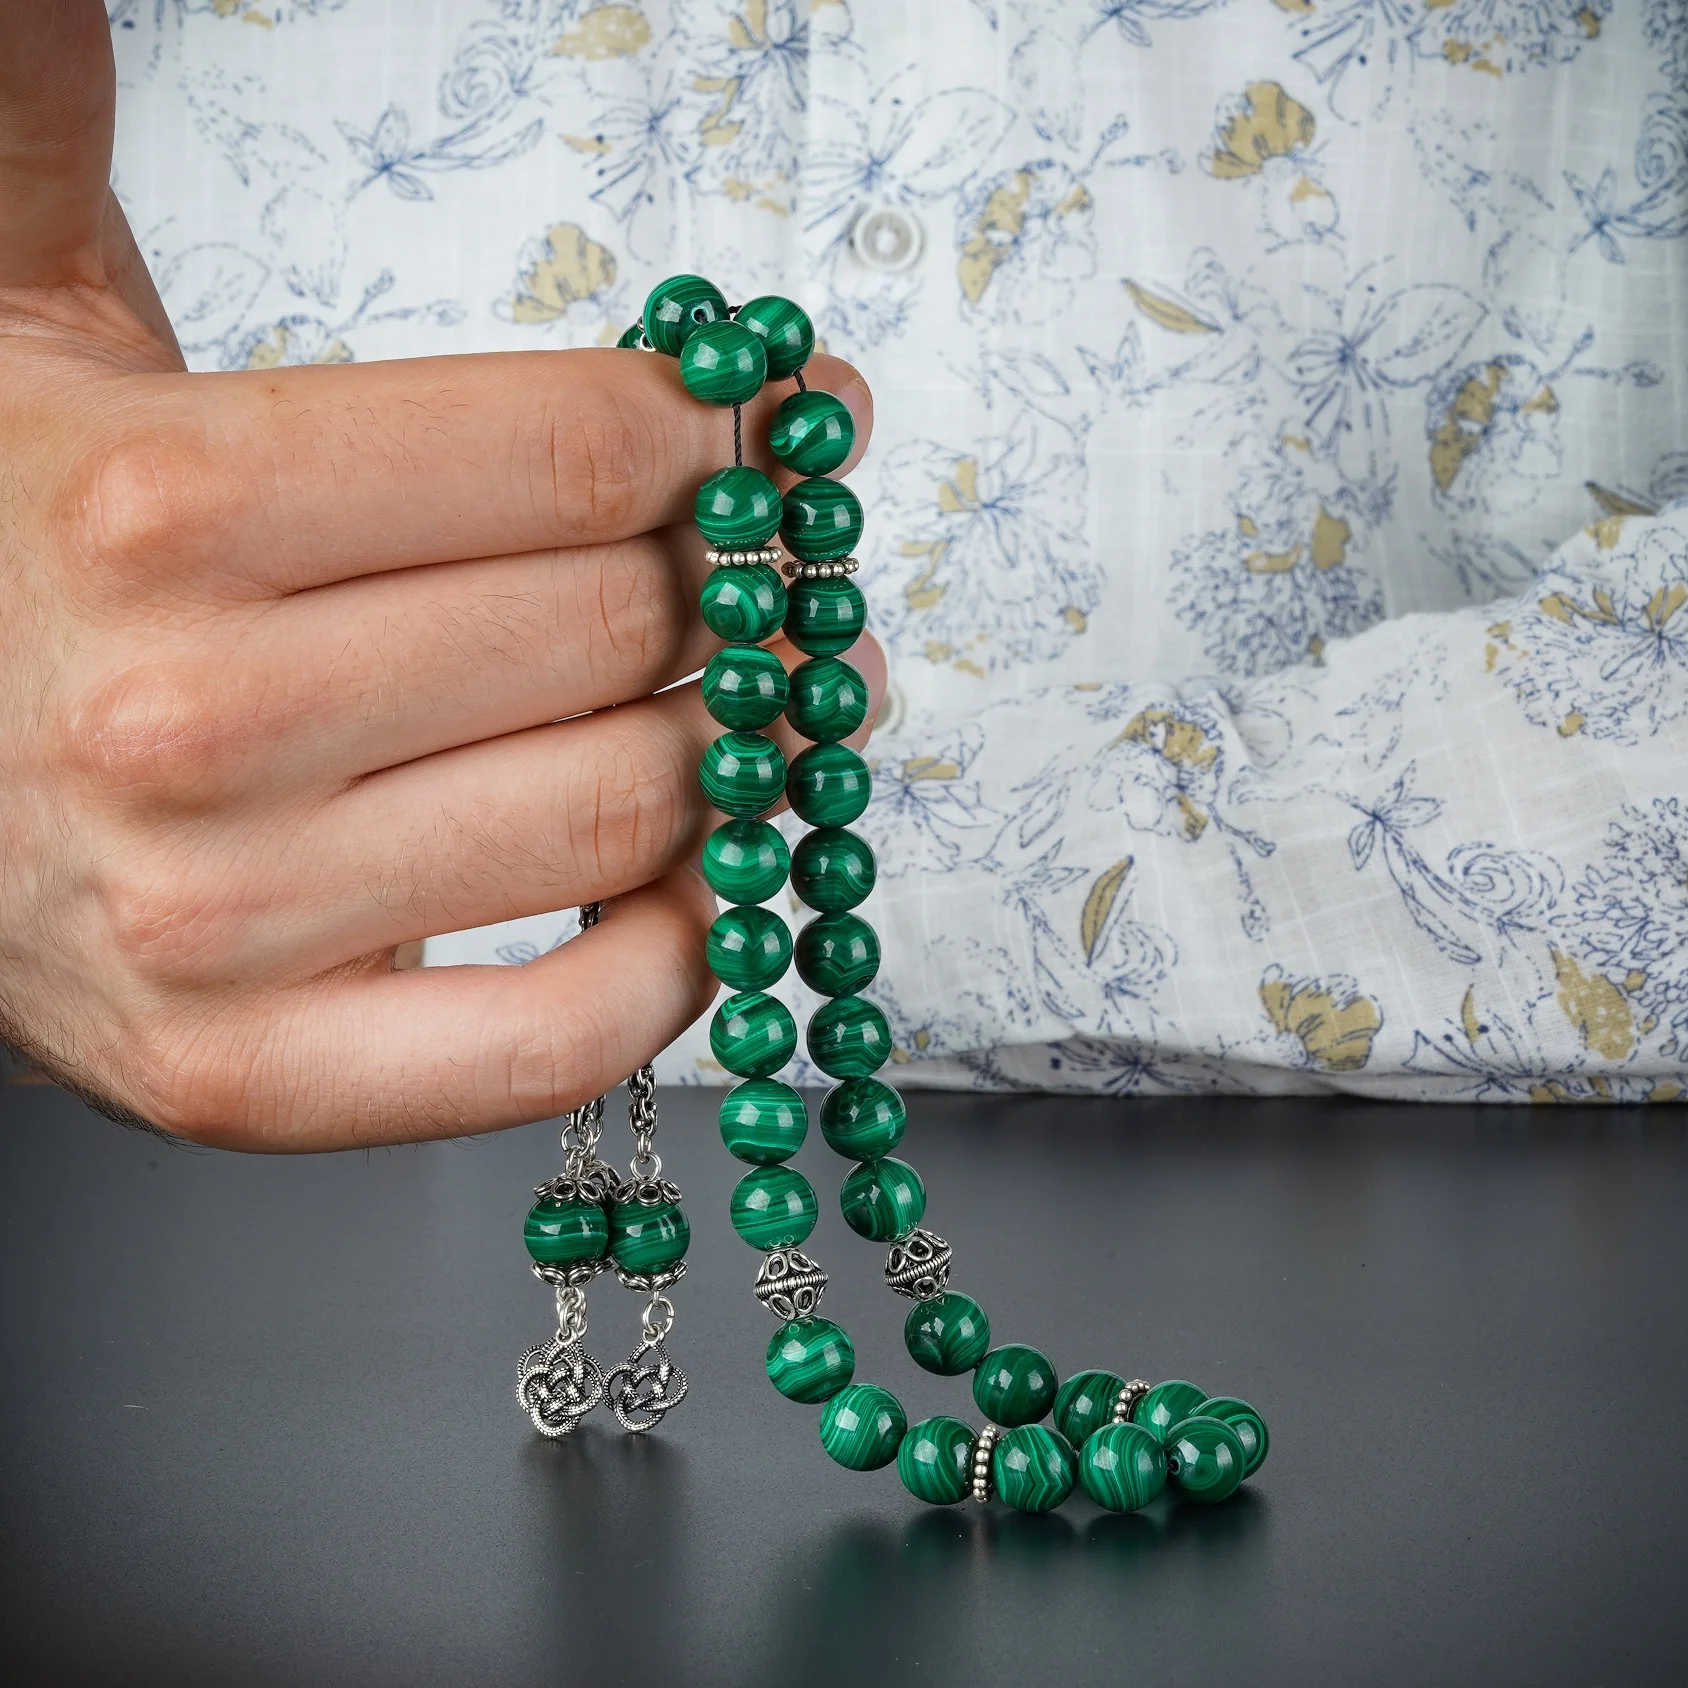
[571,1313]
[584,1125]
[641,1121]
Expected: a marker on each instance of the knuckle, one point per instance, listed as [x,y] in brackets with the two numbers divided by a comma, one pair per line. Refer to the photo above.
[139,505]
[635,810]
[159,920]
[601,456]
[151,733]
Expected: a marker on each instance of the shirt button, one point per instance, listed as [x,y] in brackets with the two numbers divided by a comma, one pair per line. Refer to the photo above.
[887,238]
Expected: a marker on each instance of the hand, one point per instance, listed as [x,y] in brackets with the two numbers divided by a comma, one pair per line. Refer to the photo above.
[280,656]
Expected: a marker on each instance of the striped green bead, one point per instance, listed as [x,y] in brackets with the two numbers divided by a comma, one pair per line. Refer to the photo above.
[863,1119]
[1014,1384]
[737,509]
[862,1426]
[1122,1467]
[1166,1404]
[745,604]
[752,1034]
[1034,1468]
[828,785]
[935,1461]
[837,954]
[827,699]
[848,1038]
[678,307]
[948,1334]
[1248,1424]
[563,1233]
[648,1237]
[746,861]
[742,774]
[824,617]
[748,948]
[774,1207]
[723,363]
[883,1200]
[763,1121]
[744,686]
[812,433]
[823,520]
[832,870]
[786,333]
[810,1360]
[1084,1403]
[1204,1458]
[630,337]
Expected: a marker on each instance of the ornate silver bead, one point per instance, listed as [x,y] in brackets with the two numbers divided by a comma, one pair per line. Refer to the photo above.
[795,570]
[983,1481]
[918,1266]
[1128,1398]
[723,559]
[789,1284]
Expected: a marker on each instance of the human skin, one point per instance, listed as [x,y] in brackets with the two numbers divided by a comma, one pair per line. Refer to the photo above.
[302,665]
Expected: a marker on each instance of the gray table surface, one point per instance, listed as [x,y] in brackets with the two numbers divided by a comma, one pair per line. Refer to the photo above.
[259,1420]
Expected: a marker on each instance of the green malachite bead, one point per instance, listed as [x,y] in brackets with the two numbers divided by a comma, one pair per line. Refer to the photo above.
[824,617]
[745,603]
[1165,1404]
[1034,1468]
[723,363]
[738,509]
[1248,1424]
[1122,1467]
[837,955]
[1204,1457]
[774,1207]
[863,1119]
[742,774]
[831,869]
[827,699]
[648,1238]
[786,333]
[863,1426]
[948,1334]
[745,861]
[630,336]
[763,1122]
[883,1200]
[812,433]
[1084,1403]
[823,520]
[810,1360]
[848,1038]
[753,1035]
[935,1461]
[744,686]
[562,1233]
[748,948]
[1014,1385]
[678,307]
[828,785]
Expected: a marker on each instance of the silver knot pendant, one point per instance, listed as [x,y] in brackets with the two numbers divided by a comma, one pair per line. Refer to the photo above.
[919,1266]
[640,1394]
[558,1384]
[789,1284]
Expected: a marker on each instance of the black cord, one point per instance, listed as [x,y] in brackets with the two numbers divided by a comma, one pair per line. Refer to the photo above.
[802,385]
[738,435]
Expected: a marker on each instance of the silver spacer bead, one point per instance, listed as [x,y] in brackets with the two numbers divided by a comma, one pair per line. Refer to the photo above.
[795,570]
[574,1276]
[652,1283]
[647,1192]
[721,559]
[918,1266]
[1128,1398]
[984,1483]
[789,1284]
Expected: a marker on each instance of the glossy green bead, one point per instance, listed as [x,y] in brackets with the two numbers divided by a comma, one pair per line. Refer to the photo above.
[1122,1467]
[832,870]
[1204,1457]
[1014,1385]
[648,1238]
[744,686]
[678,307]
[812,433]
[1248,1424]
[935,1461]
[837,954]
[810,1360]
[630,337]
[823,520]
[742,773]
[1084,1403]
[827,699]
[862,1426]
[786,333]
[753,1035]
[948,1335]
[748,948]
[774,1207]
[824,617]
[848,1038]
[1034,1468]
[828,785]
[745,603]
[863,1119]
[883,1200]
[563,1233]
[1165,1404]
[723,363]
[763,1121]
[745,861]
[737,509]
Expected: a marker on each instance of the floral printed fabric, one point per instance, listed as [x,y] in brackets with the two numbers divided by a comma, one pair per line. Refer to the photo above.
[1255,724]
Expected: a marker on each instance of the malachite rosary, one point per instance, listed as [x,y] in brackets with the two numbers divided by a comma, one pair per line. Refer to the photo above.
[1119,1439]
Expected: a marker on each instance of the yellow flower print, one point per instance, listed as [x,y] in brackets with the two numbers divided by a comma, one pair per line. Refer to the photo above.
[1265,135]
[1188,755]
[295,342]
[1596,1008]
[1331,1020]
[564,270]
[605,32]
